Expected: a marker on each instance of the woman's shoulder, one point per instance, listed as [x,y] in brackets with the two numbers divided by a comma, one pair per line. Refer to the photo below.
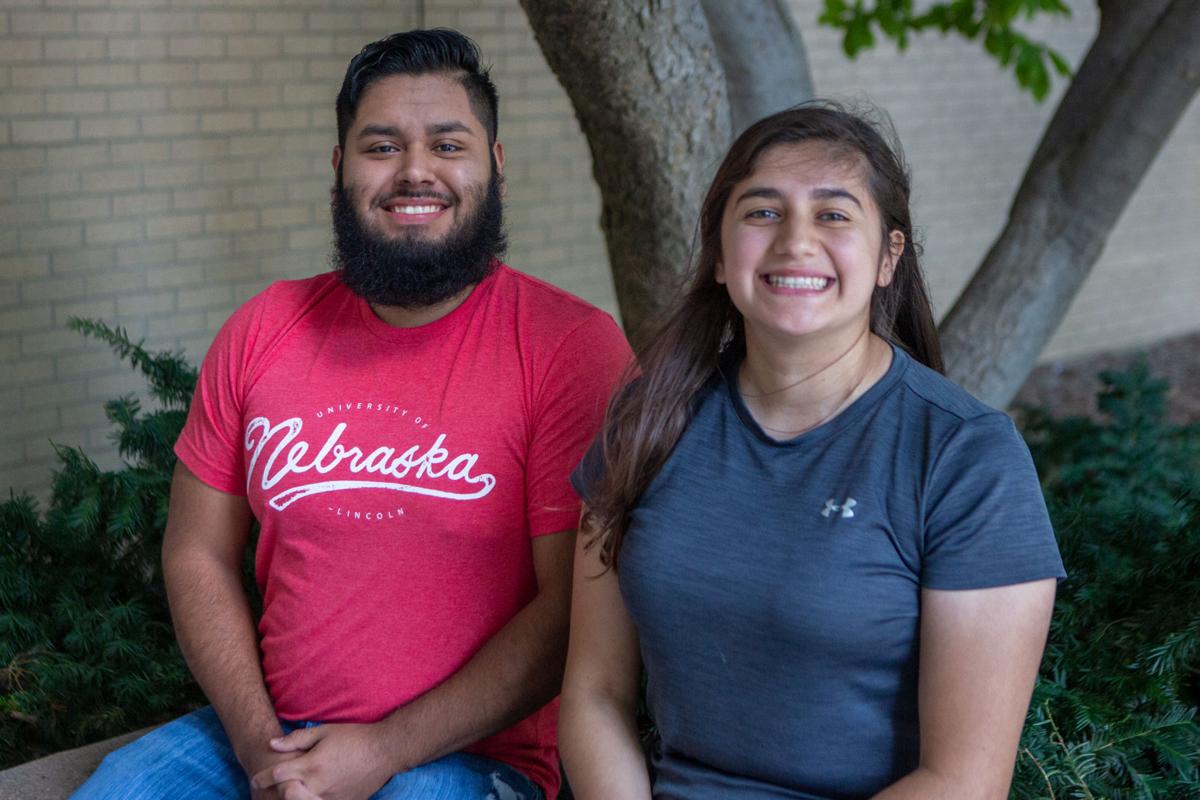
[942,396]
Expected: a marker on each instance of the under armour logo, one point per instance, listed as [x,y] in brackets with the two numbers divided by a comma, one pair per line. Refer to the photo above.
[847,508]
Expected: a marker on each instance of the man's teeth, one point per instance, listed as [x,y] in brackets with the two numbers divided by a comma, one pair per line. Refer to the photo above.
[415,209]
[797,282]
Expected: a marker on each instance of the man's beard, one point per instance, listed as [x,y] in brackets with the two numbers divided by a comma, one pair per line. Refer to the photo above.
[416,272]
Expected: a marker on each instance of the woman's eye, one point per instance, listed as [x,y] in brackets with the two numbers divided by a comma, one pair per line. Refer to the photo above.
[835,216]
[763,213]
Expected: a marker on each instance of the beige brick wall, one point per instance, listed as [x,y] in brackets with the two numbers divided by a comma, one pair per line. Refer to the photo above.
[162,160]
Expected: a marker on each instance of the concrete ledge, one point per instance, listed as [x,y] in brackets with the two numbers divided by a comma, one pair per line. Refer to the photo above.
[54,777]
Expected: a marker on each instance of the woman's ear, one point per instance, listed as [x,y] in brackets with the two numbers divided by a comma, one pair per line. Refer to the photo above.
[895,249]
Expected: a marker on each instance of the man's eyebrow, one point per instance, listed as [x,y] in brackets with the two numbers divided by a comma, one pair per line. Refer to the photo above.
[450,126]
[379,130]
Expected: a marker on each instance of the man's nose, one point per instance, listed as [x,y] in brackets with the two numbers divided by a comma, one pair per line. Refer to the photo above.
[414,166]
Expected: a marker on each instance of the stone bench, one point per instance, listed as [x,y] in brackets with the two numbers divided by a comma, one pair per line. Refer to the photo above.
[54,777]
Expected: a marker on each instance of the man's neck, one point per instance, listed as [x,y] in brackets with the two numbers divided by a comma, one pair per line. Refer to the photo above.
[402,317]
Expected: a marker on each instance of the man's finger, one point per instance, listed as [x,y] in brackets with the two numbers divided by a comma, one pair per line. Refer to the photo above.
[300,739]
[296,790]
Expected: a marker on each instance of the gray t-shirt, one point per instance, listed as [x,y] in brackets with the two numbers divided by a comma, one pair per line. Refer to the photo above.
[775,586]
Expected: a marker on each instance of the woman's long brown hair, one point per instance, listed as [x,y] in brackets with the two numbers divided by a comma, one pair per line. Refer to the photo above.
[646,420]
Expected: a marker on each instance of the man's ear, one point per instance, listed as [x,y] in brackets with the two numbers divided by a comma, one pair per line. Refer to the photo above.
[498,158]
[337,157]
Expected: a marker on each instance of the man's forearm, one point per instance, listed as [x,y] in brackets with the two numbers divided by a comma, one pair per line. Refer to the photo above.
[515,673]
[216,634]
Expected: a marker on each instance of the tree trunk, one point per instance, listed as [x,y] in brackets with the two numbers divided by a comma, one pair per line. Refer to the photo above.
[1134,84]
[650,97]
[763,56]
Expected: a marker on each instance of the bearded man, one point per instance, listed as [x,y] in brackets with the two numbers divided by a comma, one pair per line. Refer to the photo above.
[402,428]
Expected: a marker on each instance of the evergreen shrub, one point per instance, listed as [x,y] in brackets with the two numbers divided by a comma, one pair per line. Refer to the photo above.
[86,645]
[1113,714]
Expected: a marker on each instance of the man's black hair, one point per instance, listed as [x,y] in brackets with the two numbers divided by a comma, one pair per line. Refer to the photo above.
[419,52]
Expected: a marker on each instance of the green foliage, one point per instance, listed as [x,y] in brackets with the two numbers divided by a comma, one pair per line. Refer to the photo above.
[1114,710]
[989,21]
[86,644]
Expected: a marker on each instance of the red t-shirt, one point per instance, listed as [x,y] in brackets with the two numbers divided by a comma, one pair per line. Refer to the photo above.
[398,475]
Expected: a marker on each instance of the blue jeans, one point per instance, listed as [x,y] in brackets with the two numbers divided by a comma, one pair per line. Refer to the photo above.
[192,757]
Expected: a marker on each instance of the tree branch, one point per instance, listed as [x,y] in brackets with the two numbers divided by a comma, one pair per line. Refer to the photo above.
[1134,85]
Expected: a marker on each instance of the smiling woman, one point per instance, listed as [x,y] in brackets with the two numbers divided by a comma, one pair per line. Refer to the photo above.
[835,566]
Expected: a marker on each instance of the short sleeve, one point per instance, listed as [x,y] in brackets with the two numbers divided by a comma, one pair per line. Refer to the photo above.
[985,518]
[587,367]
[210,444]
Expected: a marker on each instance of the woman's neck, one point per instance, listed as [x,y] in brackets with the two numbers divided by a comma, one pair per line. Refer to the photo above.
[793,388]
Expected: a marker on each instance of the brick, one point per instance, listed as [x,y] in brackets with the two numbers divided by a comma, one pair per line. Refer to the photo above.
[295,45]
[208,248]
[286,216]
[115,282]
[107,386]
[195,47]
[26,213]
[327,69]
[255,145]
[139,204]
[254,46]
[78,156]
[259,194]
[197,97]
[109,232]
[121,127]
[177,324]
[282,71]
[88,259]
[51,237]
[312,239]
[282,120]
[137,99]
[170,124]
[75,102]
[42,77]
[311,142]
[206,149]
[18,50]
[283,168]
[205,297]
[80,208]
[43,184]
[35,22]
[230,221]
[227,172]
[309,94]
[75,49]
[19,320]
[313,190]
[169,72]
[84,309]
[12,267]
[106,75]
[225,71]
[140,151]
[226,121]
[319,21]
[43,131]
[224,21]
[254,96]
[171,175]
[199,197]
[279,21]
[137,48]
[174,225]
[50,342]
[48,396]
[167,22]
[145,303]
[18,103]
[143,255]
[112,180]
[106,22]
[259,243]
[171,277]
